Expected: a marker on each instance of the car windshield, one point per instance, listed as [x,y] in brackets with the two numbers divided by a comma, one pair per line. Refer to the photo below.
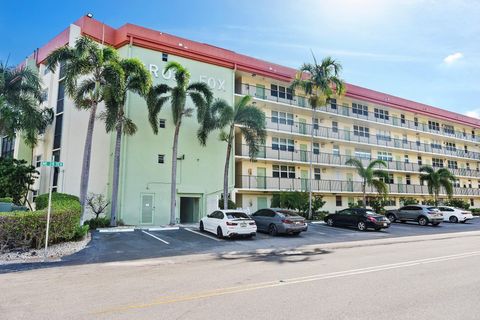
[237,215]
[288,213]
[432,208]
[370,213]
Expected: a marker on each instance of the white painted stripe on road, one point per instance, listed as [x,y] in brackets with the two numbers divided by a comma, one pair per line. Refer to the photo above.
[110,230]
[161,228]
[317,222]
[154,236]
[201,234]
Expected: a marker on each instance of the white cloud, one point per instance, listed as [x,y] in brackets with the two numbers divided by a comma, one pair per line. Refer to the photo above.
[453,57]
[475,113]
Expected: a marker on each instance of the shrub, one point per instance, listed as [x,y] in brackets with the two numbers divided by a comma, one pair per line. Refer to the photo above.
[7,200]
[95,223]
[41,201]
[80,232]
[408,201]
[320,215]
[297,200]
[231,204]
[27,229]
[458,203]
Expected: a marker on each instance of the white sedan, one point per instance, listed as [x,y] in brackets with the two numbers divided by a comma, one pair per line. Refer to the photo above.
[455,215]
[229,223]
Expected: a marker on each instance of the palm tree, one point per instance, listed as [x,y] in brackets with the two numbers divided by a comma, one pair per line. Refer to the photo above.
[370,176]
[319,82]
[201,96]
[20,96]
[126,75]
[436,180]
[89,61]
[252,125]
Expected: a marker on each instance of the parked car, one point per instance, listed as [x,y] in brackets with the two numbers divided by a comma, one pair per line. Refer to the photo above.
[360,218]
[420,213]
[277,220]
[455,215]
[229,223]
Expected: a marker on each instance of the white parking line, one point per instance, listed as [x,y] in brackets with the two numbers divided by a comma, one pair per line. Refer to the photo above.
[114,230]
[153,236]
[201,234]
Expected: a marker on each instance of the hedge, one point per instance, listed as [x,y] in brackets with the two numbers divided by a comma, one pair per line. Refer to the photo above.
[6,200]
[27,229]
[41,202]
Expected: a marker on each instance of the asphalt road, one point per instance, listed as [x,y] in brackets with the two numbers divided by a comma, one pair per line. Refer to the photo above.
[404,278]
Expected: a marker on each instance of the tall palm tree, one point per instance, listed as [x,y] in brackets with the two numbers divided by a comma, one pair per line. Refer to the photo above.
[201,96]
[88,61]
[20,96]
[126,75]
[319,82]
[252,125]
[370,176]
[437,179]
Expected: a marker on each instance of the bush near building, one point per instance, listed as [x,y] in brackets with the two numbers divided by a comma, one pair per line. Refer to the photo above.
[298,201]
[27,229]
[457,203]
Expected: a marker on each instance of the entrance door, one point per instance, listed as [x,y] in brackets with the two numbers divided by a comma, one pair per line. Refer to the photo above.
[304,180]
[261,178]
[189,209]
[302,126]
[260,91]
[303,153]
[146,214]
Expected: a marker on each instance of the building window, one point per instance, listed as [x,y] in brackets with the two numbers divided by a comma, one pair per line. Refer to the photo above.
[450,146]
[448,129]
[301,101]
[161,158]
[381,114]
[359,109]
[383,135]
[274,90]
[456,183]
[165,57]
[60,97]
[435,144]
[316,173]
[404,138]
[415,122]
[419,160]
[408,179]
[468,166]
[437,162]
[472,202]
[282,117]
[402,119]
[405,157]
[363,154]
[465,149]
[470,184]
[334,126]
[361,131]
[338,201]
[289,94]
[283,144]
[161,123]
[333,103]
[316,148]
[473,134]
[390,179]
[432,125]
[57,137]
[315,124]
[38,161]
[281,92]
[452,164]
[385,156]
[336,150]
[8,147]
[283,171]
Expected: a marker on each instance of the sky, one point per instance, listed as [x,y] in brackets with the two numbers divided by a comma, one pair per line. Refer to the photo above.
[423,50]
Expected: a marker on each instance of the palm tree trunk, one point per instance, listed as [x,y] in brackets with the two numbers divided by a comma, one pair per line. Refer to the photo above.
[225,170]
[87,153]
[364,190]
[116,176]
[173,188]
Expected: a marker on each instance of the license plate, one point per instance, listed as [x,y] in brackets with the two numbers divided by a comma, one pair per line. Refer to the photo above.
[243,224]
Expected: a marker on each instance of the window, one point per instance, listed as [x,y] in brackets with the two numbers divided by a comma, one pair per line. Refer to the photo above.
[448,129]
[289,94]
[390,179]
[468,166]
[405,158]
[316,148]
[437,162]
[301,101]
[336,150]
[361,131]
[419,160]
[452,164]
[472,202]
[274,90]
[316,173]
[383,135]
[315,124]
[432,125]
[333,103]
[282,117]
[402,119]
[161,158]
[62,69]
[465,149]
[60,97]
[363,154]
[450,146]
[385,156]
[359,109]
[164,56]
[334,126]
[38,161]
[408,179]
[161,123]
[282,144]
[435,144]
[381,114]
[8,146]
[415,122]
[57,137]
[283,171]
[473,134]
[281,92]
[404,138]
[338,201]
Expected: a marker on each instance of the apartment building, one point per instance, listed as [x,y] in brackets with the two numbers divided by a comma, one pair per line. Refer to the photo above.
[363,123]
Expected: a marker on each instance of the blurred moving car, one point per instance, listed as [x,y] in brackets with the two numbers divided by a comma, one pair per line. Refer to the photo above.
[277,220]
[455,215]
[229,223]
[360,218]
[420,213]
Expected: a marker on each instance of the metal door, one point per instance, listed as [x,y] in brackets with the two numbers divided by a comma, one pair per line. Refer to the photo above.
[147,208]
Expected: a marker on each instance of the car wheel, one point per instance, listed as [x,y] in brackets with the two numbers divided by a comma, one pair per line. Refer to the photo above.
[272,230]
[219,233]
[202,228]
[422,221]
[361,226]
[330,222]
[453,219]
[391,217]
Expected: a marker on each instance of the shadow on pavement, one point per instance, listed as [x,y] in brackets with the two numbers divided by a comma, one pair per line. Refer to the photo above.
[278,256]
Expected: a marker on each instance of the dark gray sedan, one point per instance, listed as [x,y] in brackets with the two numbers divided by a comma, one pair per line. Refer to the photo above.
[276,221]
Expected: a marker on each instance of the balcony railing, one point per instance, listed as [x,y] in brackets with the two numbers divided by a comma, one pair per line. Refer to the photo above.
[301,101]
[337,159]
[372,139]
[336,186]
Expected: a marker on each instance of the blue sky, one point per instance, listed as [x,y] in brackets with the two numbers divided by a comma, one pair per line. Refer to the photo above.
[423,50]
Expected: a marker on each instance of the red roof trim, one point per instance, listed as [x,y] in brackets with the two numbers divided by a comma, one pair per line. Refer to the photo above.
[155,40]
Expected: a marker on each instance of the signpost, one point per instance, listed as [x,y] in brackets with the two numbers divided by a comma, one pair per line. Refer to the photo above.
[51,164]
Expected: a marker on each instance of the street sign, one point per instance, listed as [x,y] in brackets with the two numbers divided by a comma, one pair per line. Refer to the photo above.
[51,164]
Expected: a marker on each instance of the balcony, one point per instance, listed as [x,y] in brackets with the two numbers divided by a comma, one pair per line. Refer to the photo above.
[301,101]
[336,186]
[370,139]
[339,160]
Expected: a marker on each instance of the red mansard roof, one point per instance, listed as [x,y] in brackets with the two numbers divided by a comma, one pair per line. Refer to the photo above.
[167,43]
